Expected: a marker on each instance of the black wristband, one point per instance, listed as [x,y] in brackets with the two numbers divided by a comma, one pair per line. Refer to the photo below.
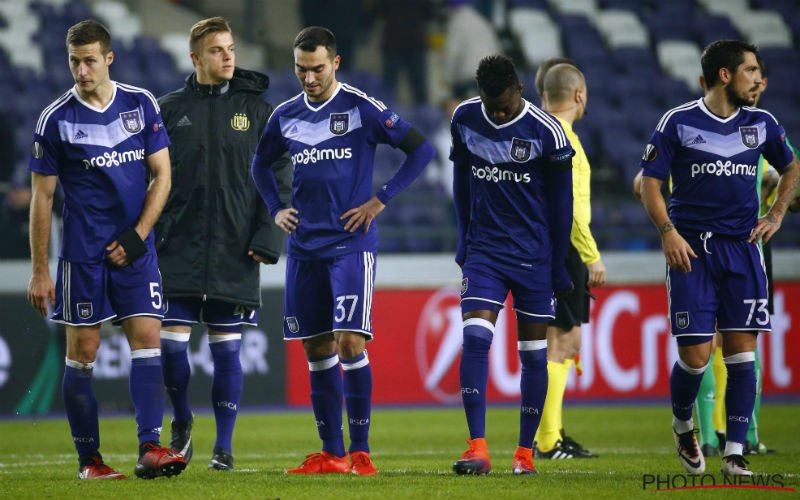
[411,141]
[132,244]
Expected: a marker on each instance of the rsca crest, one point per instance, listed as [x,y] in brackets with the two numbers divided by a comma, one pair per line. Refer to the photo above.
[682,320]
[339,123]
[132,121]
[520,150]
[749,136]
[85,310]
[292,324]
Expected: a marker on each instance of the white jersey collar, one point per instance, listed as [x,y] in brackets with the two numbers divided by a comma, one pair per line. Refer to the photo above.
[705,110]
[313,108]
[74,90]
[525,106]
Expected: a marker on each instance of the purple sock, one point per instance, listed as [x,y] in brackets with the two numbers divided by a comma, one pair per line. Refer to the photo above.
[81,407]
[326,400]
[740,396]
[684,384]
[533,387]
[226,390]
[175,360]
[474,373]
[358,399]
[147,387]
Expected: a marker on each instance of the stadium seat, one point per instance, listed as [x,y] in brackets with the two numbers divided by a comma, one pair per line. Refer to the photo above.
[586,8]
[177,46]
[681,60]
[731,8]
[537,34]
[764,28]
[709,28]
[621,28]
[125,26]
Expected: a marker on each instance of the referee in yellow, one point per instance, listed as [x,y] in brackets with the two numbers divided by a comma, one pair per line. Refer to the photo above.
[562,88]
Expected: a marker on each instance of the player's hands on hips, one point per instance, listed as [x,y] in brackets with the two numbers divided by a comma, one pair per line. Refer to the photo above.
[677,251]
[287,219]
[41,291]
[116,254]
[364,214]
[597,273]
[765,228]
[256,257]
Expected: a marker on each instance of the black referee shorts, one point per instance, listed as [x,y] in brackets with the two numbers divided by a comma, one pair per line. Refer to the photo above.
[573,310]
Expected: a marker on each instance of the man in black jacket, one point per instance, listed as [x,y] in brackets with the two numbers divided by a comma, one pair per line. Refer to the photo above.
[214,231]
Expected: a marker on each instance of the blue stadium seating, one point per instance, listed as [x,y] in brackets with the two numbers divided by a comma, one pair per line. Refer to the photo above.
[628,93]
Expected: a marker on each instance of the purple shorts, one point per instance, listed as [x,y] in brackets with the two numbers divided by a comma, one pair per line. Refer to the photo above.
[219,315]
[726,290]
[329,295]
[485,287]
[88,293]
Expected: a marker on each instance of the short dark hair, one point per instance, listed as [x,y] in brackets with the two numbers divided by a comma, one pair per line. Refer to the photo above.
[545,66]
[496,74]
[88,32]
[312,37]
[724,54]
[205,27]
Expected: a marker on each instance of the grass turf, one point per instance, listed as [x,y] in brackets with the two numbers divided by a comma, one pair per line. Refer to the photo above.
[413,448]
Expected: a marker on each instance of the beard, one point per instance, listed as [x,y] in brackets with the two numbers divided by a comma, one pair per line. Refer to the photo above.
[738,100]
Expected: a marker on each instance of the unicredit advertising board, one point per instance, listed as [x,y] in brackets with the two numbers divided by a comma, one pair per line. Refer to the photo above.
[627,350]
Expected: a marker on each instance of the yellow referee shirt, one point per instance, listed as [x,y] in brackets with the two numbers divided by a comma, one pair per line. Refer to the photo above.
[581,236]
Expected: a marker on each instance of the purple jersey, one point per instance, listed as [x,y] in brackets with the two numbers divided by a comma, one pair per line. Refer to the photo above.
[99,157]
[504,213]
[713,162]
[332,148]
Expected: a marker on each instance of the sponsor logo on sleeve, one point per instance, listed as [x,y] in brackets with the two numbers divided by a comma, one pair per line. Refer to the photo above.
[650,153]
[392,120]
[37,151]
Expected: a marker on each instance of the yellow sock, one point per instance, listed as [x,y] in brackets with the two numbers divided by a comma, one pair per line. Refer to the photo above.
[721,378]
[549,431]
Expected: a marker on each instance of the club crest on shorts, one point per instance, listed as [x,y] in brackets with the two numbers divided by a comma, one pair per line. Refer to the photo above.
[339,123]
[85,310]
[464,285]
[132,121]
[293,324]
[749,136]
[682,320]
[520,150]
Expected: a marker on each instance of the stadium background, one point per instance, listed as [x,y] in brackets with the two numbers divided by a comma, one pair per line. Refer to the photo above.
[640,58]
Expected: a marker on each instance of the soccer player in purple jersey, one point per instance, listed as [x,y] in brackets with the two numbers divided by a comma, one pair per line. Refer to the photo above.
[715,270]
[330,131]
[512,186]
[106,143]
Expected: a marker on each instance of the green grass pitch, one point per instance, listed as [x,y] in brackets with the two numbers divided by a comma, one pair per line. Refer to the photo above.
[413,448]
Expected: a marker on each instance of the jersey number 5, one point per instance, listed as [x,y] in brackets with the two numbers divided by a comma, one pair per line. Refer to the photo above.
[155,295]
